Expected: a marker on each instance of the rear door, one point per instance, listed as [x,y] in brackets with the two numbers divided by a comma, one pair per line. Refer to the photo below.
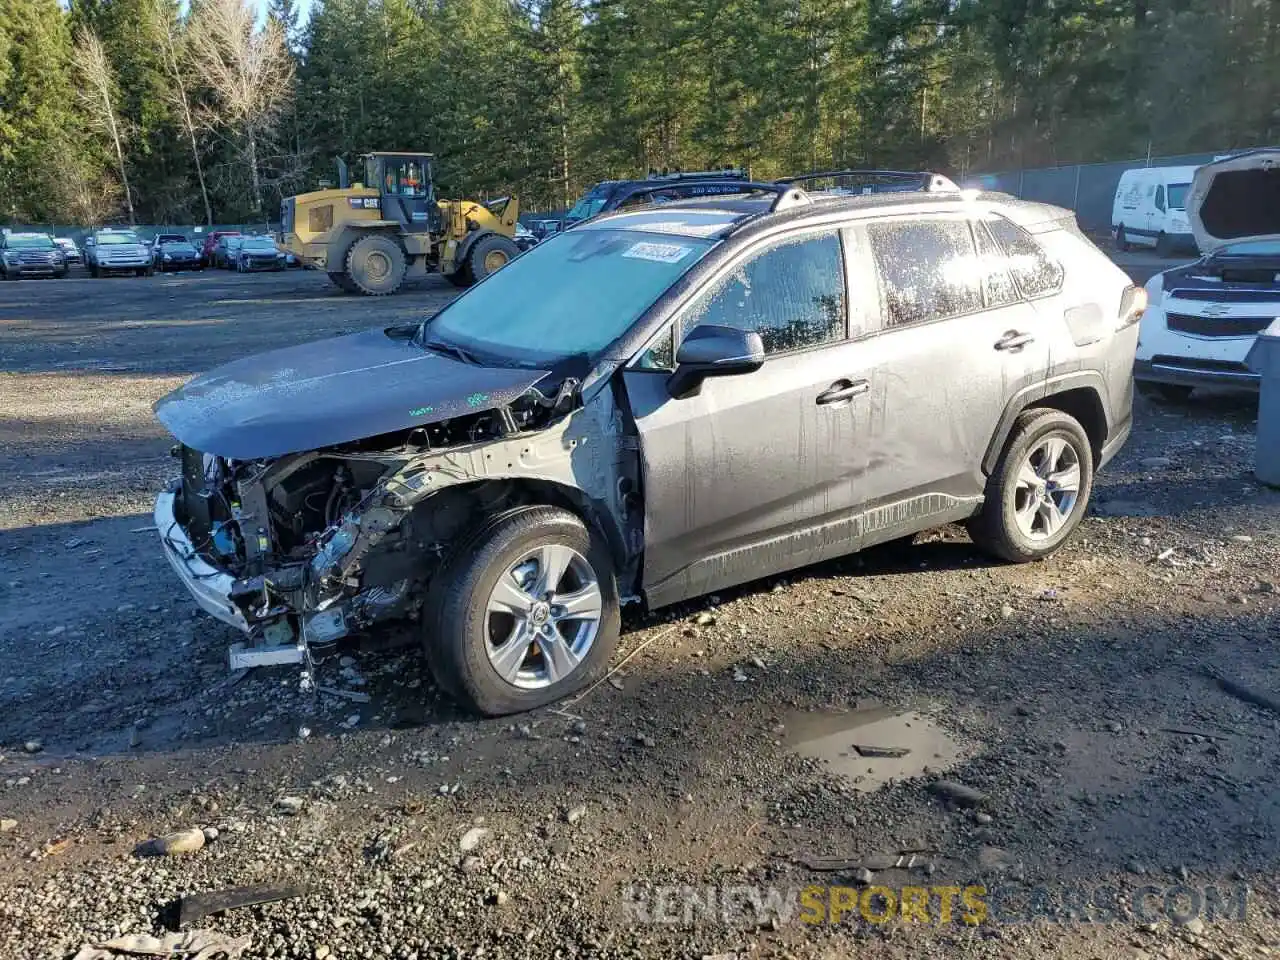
[757,473]
[957,342]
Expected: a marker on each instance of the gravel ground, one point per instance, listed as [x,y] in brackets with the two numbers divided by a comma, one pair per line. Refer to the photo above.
[1078,694]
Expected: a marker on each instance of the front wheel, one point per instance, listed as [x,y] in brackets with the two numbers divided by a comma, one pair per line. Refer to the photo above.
[489,255]
[1122,242]
[523,613]
[1040,489]
[1164,246]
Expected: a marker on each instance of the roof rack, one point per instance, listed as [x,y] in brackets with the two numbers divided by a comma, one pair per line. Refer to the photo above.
[786,195]
[889,181]
[733,172]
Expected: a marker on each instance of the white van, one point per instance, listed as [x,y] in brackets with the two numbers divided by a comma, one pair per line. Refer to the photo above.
[1150,209]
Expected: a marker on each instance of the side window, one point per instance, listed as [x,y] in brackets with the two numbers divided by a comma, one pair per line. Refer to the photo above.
[1037,273]
[1160,197]
[927,269]
[792,295]
[998,288]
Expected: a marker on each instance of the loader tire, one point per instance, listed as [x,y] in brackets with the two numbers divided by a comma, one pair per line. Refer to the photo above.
[376,265]
[343,283]
[489,255]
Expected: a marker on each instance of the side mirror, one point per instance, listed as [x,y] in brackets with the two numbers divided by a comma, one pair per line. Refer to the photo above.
[713,351]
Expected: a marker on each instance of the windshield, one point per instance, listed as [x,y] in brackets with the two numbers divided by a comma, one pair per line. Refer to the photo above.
[1252,248]
[181,245]
[259,243]
[570,296]
[115,239]
[591,203]
[1178,195]
[38,242]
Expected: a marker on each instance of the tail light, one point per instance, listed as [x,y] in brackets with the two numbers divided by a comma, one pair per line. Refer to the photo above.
[1133,303]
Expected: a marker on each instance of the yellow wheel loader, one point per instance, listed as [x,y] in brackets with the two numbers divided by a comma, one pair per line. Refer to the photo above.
[372,236]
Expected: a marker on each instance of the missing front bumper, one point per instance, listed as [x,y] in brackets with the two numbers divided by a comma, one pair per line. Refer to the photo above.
[273,643]
[209,586]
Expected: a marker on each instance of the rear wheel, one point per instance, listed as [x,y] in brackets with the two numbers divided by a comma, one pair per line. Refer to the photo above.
[343,282]
[1164,245]
[1122,242]
[489,255]
[376,265]
[523,613]
[1040,489]
[1170,392]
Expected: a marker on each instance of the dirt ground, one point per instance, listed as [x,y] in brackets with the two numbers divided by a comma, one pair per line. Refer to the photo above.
[1108,779]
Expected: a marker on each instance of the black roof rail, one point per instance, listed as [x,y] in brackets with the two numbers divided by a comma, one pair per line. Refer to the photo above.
[786,195]
[922,180]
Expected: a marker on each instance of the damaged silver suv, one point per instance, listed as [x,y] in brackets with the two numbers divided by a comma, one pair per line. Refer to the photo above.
[651,406]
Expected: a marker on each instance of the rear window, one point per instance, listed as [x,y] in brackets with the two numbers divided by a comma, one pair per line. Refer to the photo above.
[927,270]
[1037,273]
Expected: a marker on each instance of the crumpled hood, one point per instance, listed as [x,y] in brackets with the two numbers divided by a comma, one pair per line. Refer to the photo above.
[1235,200]
[329,392]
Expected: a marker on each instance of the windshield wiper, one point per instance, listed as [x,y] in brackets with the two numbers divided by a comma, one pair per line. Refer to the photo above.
[450,349]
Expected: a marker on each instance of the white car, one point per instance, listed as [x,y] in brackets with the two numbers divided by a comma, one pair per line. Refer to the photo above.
[1202,318]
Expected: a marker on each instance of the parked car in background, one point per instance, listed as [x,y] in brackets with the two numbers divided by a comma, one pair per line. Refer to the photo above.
[1204,317]
[116,251]
[211,243]
[1150,210]
[224,252]
[524,237]
[69,250]
[175,254]
[30,255]
[701,395]
[259,253]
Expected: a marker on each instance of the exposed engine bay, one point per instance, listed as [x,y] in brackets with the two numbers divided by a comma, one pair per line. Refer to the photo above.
[325,543]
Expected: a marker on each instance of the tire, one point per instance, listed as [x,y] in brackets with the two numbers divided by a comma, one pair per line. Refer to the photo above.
[485,254]
[376,265]
[1122,241]
[458,626]
[999,529]
[93,271]
[1164,246]
[1167,392]
[343,283]
[460,277]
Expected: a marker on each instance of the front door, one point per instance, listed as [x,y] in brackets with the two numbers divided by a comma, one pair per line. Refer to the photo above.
[757,473]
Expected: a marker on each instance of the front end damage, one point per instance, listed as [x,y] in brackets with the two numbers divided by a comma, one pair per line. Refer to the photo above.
[300,550]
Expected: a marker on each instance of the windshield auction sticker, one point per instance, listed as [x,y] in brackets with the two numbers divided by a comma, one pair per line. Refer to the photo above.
[657,252]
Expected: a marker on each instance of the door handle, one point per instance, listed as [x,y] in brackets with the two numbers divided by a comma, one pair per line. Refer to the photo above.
[1014,340]
[843,390]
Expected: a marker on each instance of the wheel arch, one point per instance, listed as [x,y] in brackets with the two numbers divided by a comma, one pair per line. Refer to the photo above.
[523,491]
[341,243]
[1079,395]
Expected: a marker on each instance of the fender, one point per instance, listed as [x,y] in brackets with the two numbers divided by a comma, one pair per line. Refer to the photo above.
[335,256]
[1031,396]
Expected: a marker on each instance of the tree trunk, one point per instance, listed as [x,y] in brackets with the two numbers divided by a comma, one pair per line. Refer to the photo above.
[564,145]
[115,137]
[253,170]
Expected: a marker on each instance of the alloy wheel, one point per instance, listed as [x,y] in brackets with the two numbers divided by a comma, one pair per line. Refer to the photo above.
[542,617]
[1047,488]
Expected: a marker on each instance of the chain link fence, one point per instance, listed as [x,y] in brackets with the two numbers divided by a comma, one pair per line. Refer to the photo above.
[1087,188]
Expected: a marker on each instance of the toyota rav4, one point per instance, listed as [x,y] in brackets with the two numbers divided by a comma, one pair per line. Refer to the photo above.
[651,406]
